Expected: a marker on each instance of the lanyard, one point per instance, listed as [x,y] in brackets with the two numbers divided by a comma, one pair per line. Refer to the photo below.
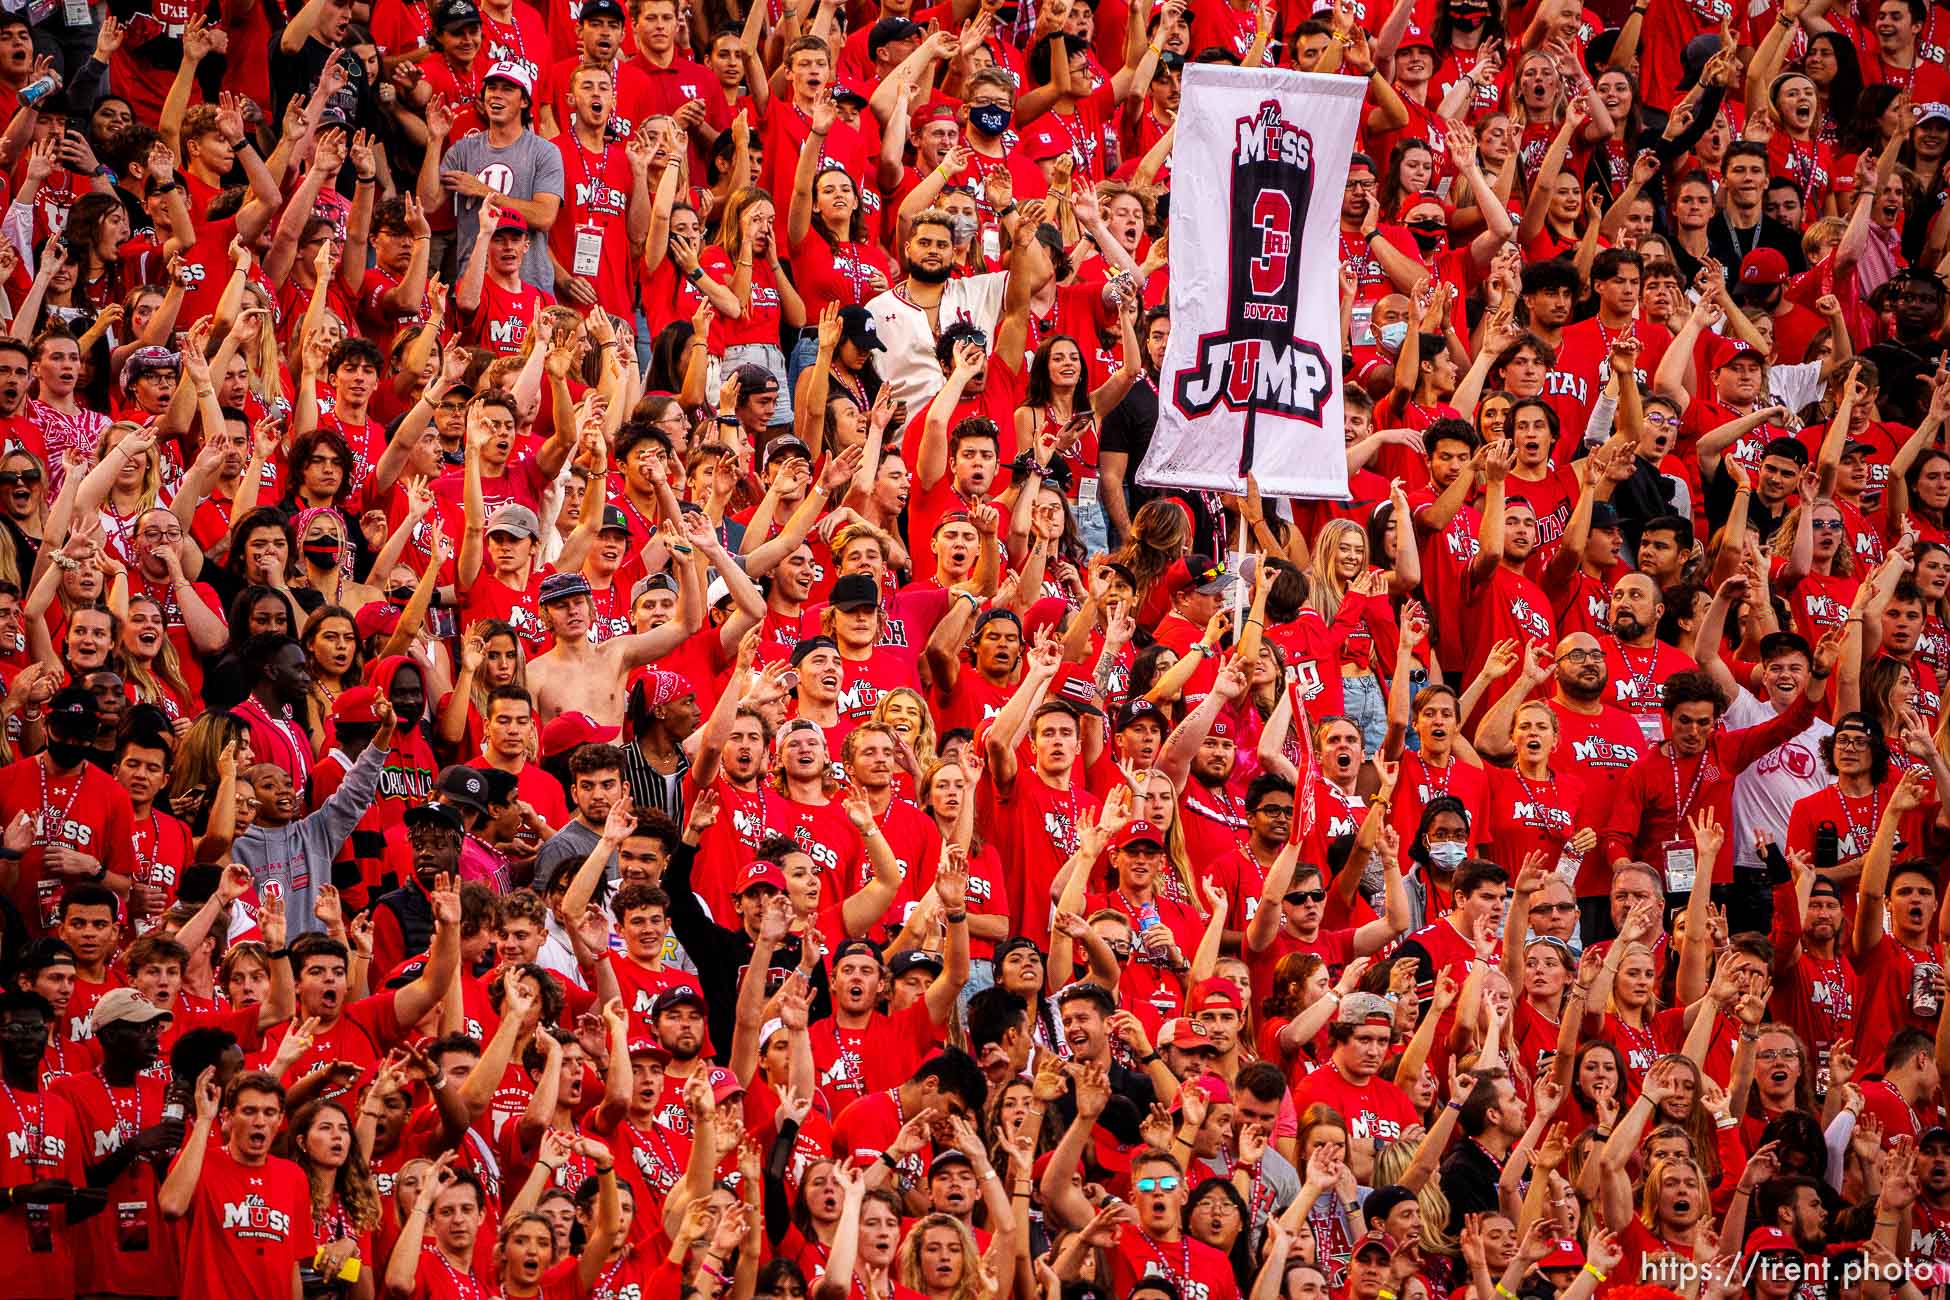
[51,831]
[465,1286]
[36,1131]
[594,179]
[1182,1275]
[1848,815]
[1641,681]
[125,1128]
[1680,807]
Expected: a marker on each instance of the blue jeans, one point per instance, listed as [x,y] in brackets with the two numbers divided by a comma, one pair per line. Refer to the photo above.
[1362,701]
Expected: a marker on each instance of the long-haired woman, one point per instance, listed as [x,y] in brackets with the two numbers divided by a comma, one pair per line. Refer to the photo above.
[344,1197]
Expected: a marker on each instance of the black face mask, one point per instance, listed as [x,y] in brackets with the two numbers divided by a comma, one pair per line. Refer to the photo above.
[1427,238]
[323,554]
[989,119]
[400,595]
[68,753]
[1468,20]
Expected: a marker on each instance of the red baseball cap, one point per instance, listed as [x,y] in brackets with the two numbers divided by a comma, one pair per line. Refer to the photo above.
[1564,1253]
[1415,35]
[375,618]
[565,731]
[1764,266]
[1187,1035]
[1762,1241]
[1042,145]
[1214,992]
[759,873]
[1727,351]
[1140,832]
[649,1047]
[359,704]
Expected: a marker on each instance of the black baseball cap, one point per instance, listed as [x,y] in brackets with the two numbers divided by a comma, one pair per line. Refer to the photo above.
[857,327]
[464,787]
[887,31]
[450,15]
[602,9]
[856,591]
[810,644]
[1134,710]
[73,713]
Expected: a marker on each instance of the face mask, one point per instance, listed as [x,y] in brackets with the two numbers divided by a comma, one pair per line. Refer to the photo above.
[989,119]
[1448,855]
[1467,22]
[323,554]
[1394,334]
[67,753]
[400,595]
[1429,239]
[962,230]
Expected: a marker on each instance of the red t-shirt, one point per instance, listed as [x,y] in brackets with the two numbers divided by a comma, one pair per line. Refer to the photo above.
[44,1140]
[86,810]
[594,221]
[248,1227]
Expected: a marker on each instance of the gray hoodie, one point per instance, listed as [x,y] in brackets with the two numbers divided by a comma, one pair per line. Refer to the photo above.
[297,858]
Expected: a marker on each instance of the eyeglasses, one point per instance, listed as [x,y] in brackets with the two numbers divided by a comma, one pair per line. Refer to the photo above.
[1272,810]
[1305,896]
[1553,907]
[1663,421]
[16,477]
[1779,1054]
[1118,947]
[1168,1183]
[1851,740]
[1582,657]
[170,535]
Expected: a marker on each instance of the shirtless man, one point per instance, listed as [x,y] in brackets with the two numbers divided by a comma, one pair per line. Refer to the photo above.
[576,676]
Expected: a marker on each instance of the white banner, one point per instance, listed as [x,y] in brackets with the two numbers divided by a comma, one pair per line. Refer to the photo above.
[1252,375]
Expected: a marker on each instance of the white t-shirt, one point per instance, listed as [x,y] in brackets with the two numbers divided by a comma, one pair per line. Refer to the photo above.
[908,368]
[1766,792]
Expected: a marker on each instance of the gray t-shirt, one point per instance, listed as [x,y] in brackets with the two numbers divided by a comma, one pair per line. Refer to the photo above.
[566,850]
[529,166]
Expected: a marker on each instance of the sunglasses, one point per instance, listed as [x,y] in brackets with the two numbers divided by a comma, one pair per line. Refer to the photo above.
[1168,1183]
[15,477]
[1306,896]
[1828,525]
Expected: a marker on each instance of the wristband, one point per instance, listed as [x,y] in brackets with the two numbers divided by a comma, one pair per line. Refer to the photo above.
[1595,1271]
[1149,1057]
[1726,1121]
[1505,1292]
[954,918]
[888,1160]
[1005,209]
[990,1173]
[695,274]
[1385,1294]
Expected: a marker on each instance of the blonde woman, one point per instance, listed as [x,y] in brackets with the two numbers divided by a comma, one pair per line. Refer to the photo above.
[1157,802]
[1341,558]
[154,669]
[906,712]
[490,657]
[939,1258]
[125,482]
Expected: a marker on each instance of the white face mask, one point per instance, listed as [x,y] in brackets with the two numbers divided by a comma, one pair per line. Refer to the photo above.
[1448,854]
[1393,334]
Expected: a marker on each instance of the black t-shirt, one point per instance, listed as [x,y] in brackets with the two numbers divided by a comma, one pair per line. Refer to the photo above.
[1730,246]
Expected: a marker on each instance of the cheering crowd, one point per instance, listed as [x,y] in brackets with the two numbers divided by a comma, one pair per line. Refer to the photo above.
[595,708]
